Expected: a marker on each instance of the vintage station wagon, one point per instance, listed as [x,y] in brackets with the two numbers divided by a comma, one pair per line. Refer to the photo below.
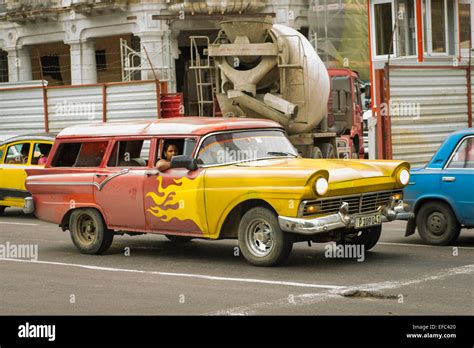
[230,178]
[17,153]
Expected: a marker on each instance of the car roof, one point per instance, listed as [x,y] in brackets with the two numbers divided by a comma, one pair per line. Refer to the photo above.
[28,137]
[464,132]
[441,156]
[169,126]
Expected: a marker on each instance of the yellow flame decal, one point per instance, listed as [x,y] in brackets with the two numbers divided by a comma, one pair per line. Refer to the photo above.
[179,200]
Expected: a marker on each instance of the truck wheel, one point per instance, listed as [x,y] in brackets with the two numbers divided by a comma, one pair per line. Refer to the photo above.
[88,231]
[328,150]
[2,209]
[367,237]
[437,224]
[178,239]
[317,154]
[261,240]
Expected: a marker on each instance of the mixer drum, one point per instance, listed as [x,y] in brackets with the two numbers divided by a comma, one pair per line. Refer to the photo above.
[295,76]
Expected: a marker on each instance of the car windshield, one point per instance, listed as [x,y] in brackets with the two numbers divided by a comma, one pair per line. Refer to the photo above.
[225,148]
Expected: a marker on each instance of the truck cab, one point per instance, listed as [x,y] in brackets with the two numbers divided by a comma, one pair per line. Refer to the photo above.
[345,111]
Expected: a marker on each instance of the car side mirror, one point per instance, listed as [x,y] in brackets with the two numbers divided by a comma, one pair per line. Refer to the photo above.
[184,161]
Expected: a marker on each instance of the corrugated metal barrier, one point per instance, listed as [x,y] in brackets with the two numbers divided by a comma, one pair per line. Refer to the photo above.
[21,112]
[22,108]
[426,105]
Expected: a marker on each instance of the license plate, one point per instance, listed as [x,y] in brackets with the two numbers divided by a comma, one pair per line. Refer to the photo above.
[368,220]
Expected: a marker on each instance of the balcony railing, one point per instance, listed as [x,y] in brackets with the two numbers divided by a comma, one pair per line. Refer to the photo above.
[22,11]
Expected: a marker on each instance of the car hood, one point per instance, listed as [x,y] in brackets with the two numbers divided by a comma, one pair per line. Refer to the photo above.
[339,170]
[345,176]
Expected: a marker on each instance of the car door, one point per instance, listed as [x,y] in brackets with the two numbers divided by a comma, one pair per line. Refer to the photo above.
[17,159]
[119,184]
[174,199]
[457,179]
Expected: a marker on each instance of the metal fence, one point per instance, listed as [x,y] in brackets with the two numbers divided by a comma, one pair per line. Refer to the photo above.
[27,109]
[426,104]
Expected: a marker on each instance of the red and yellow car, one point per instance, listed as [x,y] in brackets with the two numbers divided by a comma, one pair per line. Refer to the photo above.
[229,178]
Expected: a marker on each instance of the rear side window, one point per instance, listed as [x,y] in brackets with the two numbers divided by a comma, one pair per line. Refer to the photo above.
[78,155]
[130,153]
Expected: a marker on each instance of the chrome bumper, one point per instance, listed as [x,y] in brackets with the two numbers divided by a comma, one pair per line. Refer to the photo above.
[397,211]
[29,206]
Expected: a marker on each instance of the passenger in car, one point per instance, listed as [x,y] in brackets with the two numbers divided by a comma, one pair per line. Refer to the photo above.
[170,150]
[25,151]
[45,149]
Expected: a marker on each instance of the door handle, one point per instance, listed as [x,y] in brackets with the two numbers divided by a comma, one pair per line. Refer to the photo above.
[449,179]
[101,175]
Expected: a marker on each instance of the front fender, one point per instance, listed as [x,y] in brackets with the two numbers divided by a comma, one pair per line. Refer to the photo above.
[283,206]
[434,197]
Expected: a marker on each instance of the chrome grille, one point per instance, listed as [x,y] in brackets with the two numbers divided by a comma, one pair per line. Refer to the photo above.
[361,203]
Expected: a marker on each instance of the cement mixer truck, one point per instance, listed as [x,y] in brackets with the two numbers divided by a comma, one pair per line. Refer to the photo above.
[272,71]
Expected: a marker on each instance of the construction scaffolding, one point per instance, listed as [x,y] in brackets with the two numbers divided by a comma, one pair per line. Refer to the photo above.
[204,71]
[134,62]
[338,30]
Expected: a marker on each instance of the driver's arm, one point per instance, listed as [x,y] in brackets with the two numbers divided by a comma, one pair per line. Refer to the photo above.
[163,165]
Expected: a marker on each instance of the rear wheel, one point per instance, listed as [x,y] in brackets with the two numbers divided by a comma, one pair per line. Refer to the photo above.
[88,231]
[2,209]
[178,239]
[261,240]
[367,237]
[437,223]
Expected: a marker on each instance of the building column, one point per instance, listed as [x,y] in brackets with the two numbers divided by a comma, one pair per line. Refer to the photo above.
[157,47]
[19,64]
[83,63]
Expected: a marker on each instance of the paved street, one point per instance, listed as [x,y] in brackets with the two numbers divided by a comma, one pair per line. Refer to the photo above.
[399,276]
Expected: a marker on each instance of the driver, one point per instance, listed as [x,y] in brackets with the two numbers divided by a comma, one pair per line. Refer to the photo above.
[170,150]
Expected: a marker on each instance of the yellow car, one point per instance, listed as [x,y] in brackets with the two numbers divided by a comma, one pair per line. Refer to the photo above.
[17,154]
[211,178]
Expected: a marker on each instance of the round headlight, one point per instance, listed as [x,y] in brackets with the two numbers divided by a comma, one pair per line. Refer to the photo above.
[321,186]
[404,177]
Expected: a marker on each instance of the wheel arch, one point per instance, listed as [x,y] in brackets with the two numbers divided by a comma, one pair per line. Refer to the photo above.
[423,200]
[230,225]
[65,219]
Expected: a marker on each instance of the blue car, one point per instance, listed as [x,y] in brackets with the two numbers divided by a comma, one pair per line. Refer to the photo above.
[442,194]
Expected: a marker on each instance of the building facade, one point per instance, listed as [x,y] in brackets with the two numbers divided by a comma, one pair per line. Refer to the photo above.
[421,74]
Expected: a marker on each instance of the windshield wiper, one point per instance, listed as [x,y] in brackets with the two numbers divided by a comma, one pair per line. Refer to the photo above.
[276,153]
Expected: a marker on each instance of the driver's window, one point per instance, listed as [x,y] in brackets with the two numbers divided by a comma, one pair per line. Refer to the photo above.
[464,155]
[18,154]
[168,148]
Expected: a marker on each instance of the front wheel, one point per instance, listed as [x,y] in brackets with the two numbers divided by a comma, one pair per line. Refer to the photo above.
[367,237]
[261,240]
[2,209]
[437,224]
[88,231]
